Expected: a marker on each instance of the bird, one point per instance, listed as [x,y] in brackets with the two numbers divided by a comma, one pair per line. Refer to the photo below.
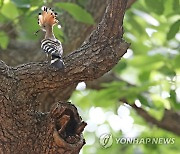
[50,45]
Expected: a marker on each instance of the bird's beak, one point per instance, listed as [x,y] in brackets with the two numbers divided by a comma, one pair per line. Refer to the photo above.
[36,32]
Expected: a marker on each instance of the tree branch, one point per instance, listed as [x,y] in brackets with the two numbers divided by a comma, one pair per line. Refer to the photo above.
[97,56]
[31,51]
[130,2]
[22,128]
[170,120]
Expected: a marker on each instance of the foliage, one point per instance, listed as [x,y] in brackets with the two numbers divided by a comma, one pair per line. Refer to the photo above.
[149,73]
[77,12]
[23,14]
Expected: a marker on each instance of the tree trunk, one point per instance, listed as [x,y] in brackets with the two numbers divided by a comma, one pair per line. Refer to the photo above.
[31,51]
[25,130]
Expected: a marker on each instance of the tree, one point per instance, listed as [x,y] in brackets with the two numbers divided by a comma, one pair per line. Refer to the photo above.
[139,97]
[23,129]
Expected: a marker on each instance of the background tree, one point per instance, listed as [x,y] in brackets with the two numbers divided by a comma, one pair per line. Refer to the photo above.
[147,78]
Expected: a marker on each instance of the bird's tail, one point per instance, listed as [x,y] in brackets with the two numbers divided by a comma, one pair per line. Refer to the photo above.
[57,61]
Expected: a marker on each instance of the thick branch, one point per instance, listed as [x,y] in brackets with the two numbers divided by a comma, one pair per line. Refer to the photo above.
[96,57]
[130,2]
[31,51]
[22,128]
[170,120]
[13,55]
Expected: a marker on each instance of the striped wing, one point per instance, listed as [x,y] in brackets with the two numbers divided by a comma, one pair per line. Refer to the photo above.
[52,46]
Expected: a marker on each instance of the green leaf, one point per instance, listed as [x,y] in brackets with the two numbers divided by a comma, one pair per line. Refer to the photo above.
[147,62]
[173,100]
[177,62]
[135,23]
[176,5]
[173,30]
[82,2]
[77,12]
[155,5]
[9,10]
[22,3]
[144,100]
[59,34]
[35,3]
[120,66]
[168,8]
[144,76]
[4,40]
[3,19]
[166,70]
[1,3]
[29,27]
[157,114]
[160,103]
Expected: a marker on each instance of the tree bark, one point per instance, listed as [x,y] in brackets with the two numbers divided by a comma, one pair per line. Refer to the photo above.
[25,130]
[31,51]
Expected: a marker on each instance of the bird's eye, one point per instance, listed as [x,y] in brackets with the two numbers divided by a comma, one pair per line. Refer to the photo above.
[44,26]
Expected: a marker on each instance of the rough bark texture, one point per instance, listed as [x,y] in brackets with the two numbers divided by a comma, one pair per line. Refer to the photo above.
[25,130]
[31,51]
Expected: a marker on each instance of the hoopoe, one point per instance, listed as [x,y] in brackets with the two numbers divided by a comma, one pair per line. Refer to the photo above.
[50,45]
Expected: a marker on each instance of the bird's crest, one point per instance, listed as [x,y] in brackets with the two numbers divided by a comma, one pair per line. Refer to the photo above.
[48,16]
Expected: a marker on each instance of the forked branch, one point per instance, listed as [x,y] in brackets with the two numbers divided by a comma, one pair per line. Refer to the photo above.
[98,55]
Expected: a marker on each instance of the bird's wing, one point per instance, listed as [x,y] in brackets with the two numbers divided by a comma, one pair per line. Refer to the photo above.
[51,46]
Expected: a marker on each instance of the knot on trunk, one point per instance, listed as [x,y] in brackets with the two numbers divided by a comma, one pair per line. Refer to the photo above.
[68,126]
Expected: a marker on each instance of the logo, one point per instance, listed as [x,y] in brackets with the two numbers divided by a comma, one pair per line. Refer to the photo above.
[106,140]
